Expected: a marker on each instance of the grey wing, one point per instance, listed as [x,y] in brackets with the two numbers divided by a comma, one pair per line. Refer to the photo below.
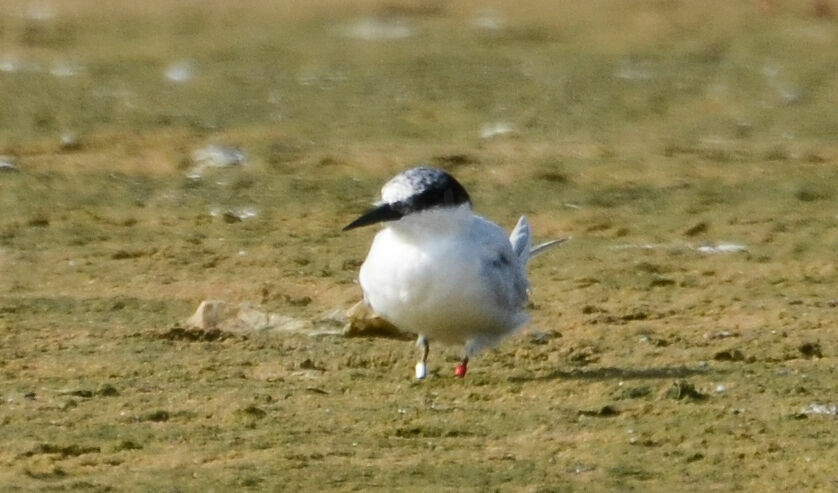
[502,266]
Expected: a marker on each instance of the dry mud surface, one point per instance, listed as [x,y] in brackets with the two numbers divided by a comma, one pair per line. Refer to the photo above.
[685,338]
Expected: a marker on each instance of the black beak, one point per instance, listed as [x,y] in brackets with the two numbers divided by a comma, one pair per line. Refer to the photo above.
[382,213]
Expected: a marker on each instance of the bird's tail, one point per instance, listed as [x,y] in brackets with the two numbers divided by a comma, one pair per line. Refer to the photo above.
[521,240]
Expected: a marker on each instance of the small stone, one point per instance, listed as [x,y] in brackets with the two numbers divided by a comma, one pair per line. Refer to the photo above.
[219,156]
[336,317]
[682,389]
[208,314]
[364,322]
[721,334]
[7,164]
[729,355]
[541,338]
[230,217]
[70,142]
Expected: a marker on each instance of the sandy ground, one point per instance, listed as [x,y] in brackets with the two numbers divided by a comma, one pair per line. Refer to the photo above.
[683,340]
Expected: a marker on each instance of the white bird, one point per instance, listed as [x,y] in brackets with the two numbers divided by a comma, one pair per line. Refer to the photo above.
[439,270]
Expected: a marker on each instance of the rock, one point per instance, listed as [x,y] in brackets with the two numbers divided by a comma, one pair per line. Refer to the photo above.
[214,156]
[231,216]
[729,355]
[720,334]
[208,315]
[241,319]
[219,156]
[249,319]
[682,389]
[336,317]
[540,338]
[223,320]
[363,322]
[653,340]
[7,163]
[70,142]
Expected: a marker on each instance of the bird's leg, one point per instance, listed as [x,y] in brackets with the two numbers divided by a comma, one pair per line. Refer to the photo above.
[472,347]
[462,368]
[421,366]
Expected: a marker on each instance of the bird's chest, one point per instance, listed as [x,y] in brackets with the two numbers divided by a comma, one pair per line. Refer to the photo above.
[410,271]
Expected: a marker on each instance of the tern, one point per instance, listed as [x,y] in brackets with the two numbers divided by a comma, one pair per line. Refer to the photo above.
[441,271]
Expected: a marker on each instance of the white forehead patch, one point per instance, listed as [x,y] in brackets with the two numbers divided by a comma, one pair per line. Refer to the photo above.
[423,187]
[397,189]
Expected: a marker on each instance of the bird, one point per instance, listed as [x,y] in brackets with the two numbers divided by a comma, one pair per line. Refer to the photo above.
[441,271]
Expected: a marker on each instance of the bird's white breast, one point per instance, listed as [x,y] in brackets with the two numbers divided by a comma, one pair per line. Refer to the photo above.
[438,274]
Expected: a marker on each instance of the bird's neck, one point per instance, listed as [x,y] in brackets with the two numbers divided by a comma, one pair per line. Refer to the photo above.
[436,221]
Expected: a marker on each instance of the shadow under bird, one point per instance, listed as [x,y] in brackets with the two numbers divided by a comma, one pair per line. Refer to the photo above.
[439,270]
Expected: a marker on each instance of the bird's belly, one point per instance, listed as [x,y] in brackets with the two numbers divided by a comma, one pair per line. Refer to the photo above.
[435,289]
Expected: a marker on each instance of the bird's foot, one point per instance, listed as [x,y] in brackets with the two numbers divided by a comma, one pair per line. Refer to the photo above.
[421,370]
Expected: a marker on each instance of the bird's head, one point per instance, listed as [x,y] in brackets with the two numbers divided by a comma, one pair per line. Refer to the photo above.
[415,190]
